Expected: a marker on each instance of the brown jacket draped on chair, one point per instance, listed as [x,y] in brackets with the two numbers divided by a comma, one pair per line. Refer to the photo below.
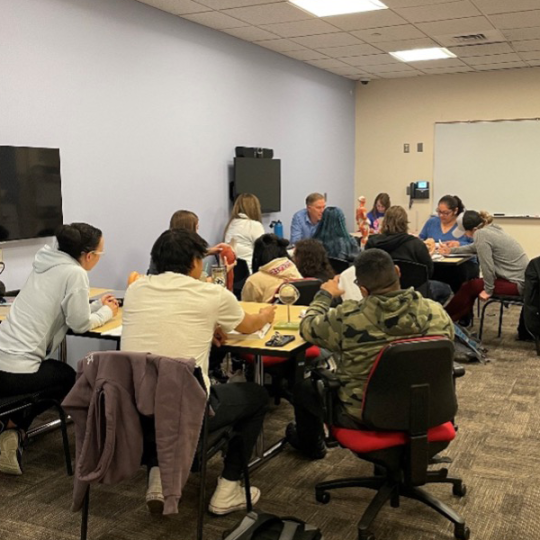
[112,389]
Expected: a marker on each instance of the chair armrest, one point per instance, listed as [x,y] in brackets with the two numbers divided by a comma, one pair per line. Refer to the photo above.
[458,370]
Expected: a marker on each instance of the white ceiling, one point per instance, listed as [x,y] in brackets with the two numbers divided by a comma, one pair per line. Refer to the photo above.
[356,46]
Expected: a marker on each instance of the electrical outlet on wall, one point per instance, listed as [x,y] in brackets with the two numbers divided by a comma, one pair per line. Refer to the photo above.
[406,148]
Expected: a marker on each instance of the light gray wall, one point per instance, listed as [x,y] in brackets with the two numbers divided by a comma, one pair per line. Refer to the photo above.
[147,108]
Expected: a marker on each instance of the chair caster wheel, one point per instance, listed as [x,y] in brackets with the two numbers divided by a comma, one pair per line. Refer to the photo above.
[462,532]
[322,497]
[364,535]
[459,490]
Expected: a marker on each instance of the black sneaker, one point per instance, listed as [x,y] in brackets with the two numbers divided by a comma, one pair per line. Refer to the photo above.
[318,451]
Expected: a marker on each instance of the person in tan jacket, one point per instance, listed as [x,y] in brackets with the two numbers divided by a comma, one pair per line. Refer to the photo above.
[271,268]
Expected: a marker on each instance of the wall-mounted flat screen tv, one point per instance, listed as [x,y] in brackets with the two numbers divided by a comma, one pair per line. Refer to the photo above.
[262,177]
[30,192]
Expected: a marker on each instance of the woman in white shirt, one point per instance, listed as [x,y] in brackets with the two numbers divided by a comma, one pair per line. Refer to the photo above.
[244,226]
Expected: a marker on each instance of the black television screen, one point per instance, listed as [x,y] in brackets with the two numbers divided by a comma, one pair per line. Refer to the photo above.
[262,177]
[30,192]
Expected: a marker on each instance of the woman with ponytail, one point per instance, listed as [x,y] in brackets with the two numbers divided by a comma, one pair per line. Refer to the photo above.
[271,267]
[53,300]
[502,261]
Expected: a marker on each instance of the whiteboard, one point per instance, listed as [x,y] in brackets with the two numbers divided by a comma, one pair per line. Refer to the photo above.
[493,166]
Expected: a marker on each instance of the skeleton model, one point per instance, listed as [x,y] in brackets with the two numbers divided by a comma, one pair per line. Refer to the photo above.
[362,220]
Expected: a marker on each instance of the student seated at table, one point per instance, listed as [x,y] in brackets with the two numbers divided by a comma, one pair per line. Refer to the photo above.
[271,268]
[441,228]
[356,332]
[312,261]
[394,238]
[244,226]
[175,314]
[376,216]
[332,232]
[53,300]
[502,261]
[305,221]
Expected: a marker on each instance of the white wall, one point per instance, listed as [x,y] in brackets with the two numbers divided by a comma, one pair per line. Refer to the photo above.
[390,113]
[147,108]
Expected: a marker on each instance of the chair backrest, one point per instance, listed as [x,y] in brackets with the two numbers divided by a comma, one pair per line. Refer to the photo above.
[531,297]
[338,265]
[241,273]
[307,288]
[413,275]
[408,379]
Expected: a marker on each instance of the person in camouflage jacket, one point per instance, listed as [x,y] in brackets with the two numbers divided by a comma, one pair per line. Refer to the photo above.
[355,332]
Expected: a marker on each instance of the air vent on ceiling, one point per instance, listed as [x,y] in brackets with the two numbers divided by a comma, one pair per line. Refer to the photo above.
[475,38]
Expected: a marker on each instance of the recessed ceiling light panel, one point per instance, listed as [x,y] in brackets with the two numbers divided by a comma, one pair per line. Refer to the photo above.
[417,55]
[327,8]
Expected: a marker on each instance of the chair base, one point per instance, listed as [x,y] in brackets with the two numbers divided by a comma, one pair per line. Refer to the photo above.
[390,489]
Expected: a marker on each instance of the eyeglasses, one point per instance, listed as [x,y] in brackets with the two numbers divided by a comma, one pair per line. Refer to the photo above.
[447,213]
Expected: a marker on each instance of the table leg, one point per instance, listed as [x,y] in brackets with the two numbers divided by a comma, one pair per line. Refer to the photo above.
[62,351]
[259,379]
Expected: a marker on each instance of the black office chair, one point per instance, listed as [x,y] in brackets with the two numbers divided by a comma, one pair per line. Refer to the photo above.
[9,405]
[339,265]
[241,273]
[408,409]
[414,275]
[530,315]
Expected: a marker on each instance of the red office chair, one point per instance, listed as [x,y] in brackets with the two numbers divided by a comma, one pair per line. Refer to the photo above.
[408,406]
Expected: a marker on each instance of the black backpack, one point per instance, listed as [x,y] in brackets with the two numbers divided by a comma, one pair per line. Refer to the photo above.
[261,526]
[531,299]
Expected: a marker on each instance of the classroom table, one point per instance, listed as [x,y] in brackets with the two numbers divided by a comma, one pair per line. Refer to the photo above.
[453,260]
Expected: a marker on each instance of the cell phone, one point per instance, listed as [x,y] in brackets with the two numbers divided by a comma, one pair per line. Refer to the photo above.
[279,340]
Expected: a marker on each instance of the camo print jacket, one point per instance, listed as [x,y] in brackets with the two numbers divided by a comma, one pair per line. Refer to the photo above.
[357,331]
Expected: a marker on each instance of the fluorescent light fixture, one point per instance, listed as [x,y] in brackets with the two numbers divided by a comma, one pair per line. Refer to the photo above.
[417,55]
[327,8]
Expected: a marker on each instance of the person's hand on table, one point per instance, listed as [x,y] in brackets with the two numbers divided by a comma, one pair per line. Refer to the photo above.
[430,244]
[220,337]
[332,287]
[484,296]
[452,243]
[110,301]
[445,249]
[268,313]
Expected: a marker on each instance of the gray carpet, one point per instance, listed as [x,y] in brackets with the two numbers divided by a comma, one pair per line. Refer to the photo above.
[496,452]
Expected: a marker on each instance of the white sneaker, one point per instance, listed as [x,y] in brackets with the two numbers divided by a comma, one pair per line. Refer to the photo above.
[154,492]
[231,496]
[10,452]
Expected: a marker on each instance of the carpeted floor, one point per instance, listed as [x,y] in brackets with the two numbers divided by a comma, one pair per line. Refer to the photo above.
[496,452]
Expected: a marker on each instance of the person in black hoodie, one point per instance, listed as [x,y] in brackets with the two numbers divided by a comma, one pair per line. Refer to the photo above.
[400,245]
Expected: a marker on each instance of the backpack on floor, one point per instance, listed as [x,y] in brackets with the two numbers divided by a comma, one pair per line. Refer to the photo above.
[467,348]
[261,526]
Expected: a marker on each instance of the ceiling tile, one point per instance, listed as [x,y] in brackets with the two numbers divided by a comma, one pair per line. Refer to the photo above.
[389,33]
[227,4]
[439,12]
[466,51]
[215,19]
[369,19]
[406,45]
[530,55]
[176,7]
[389,68]
[250,33]
[470,25]
[400,74]
[506,65]
[306,54]
[492,7]
[518,34]
[280,12]
[327,63]
[393,4]
[328,40]
[350,50]
[301,28]
[444,63]
[529,45]
[280,45]
[348,70]
[442,70]
[534,63]
[372,60]
[492,59]
[523,19]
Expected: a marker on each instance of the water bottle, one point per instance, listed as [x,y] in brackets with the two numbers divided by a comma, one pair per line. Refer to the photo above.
[278,228]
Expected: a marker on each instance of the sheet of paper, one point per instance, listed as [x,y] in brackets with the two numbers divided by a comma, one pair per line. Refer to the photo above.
[114,332]
[256,335]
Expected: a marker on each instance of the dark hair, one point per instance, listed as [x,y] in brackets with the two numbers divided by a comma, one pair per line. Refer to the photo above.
[375,270]
[175,250]
[184,219]
[311,259]
[77,238]
[476,220]
[332,228]
[267,248]
[453,202]
[384,199]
